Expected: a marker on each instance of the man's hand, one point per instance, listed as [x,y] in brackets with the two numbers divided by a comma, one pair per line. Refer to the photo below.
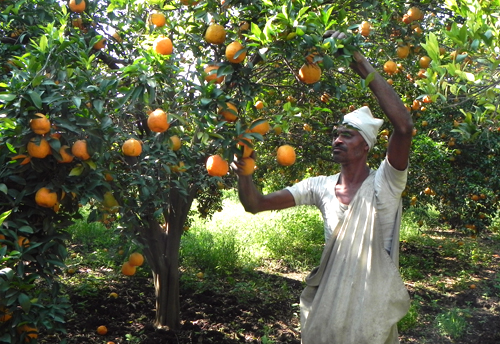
[334,34]
[238,163]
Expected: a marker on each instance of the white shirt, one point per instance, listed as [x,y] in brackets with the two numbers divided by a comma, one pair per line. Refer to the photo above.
[320,192]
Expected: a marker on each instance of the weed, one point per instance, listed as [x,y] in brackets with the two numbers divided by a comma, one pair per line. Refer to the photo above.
[452,323]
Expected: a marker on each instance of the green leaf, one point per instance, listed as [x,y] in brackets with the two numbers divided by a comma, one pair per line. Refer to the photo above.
[4,215]
[76,171]
[25,302]
[43,44]
[35,98]
[26,229]
[7,97]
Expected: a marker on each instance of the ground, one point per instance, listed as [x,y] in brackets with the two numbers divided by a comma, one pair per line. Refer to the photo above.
[262,306]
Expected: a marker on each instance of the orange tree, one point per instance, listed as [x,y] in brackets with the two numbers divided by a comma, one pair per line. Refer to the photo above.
[108,72]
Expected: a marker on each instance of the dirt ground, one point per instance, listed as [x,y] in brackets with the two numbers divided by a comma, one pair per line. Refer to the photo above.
[237,310]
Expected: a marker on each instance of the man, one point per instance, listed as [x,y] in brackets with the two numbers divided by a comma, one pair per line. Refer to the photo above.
[355,295]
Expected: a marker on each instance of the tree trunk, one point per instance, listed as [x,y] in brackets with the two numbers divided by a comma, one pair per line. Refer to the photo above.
[162,254]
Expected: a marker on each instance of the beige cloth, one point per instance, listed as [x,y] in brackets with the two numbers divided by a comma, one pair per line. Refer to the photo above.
[356,294]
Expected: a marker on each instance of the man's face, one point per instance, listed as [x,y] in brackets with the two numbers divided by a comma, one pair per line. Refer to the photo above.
[348,145]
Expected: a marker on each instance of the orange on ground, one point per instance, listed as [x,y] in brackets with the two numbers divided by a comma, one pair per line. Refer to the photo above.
[23,241]
[128,269]
[25,159]
[232,49]
[309,73]
[247,151]
[101,44]
[77,7]
[230,113]
[158,121]
[158,19]
[215,34]
[285,155]
[136,259]
[262,128]
[102,330]
[176,142]
[259,105]
[424,61]
[163,45]
[403,51]
[132,147]
[31,332]
[217,166]
[65,156]
[248,166]
[390,67]
[40,125]
[38,151]
[79,149]
[5,314]
[45,198]
[209,75]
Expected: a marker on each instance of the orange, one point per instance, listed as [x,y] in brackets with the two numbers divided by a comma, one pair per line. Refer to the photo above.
[79,149]
[176,142]
[248,166]
[158,121]
[128,269]
[136,259]
[40,150]
[230,113]
[5,314]
[232,49]
[158,19]
[309,73]
[415,13]
[424,61]
[246,151]
[217,166]
[78,22]
[77,7]
[285,155]
[31,332]
[390,67]
[259,104]
[277,130]
[215,34]
[23,241]
[100,44]
[102,330]
[212,76]
[189,2]
[403,51]
[365,28]
[262,128]
[163,45]
[117,37]
[416,105]
[40,125]
[132,147]
[65,156]
[26,159]
[45,198]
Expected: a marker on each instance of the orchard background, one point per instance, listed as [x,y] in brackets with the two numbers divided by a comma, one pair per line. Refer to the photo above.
[80,79]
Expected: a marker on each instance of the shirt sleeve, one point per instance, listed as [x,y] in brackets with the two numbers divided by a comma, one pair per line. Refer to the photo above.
[307,191]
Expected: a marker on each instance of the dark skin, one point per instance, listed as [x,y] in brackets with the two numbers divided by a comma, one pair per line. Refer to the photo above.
[349,148]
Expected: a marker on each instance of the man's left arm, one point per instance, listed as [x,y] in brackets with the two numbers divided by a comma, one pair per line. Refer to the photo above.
[398,150]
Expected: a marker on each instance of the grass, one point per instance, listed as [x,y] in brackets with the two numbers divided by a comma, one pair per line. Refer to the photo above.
[436,263]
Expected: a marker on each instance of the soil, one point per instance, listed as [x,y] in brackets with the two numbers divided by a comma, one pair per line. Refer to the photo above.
[256,307]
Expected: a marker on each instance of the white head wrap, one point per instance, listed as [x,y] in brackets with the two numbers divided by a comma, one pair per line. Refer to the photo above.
[363,120]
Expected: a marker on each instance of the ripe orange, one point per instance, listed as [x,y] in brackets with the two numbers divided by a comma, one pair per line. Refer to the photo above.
[5,314]
[38,150]
[230,113]
[415,13]
[259,105]
[248,166]
[189,2]
[23,241]
[262,128]
[215,34]
[25,159]
[176,142]
[277,130]
[365,28]
[102,330]
[78,22]
[40,125]
[65,156]
[390,67]
[79,149]
[158,121]
[403,51]
[101,44]
[427,99]
[132,147]
[45,198]
[232,49]
[117,37]
[77,7]
[247,150]
[31,332]
[158,19]
[209,75]
[136,259]
[424,61]
[113,295]
[286,155]
[310,73]
[163,45]
[217,166]
[128,269]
